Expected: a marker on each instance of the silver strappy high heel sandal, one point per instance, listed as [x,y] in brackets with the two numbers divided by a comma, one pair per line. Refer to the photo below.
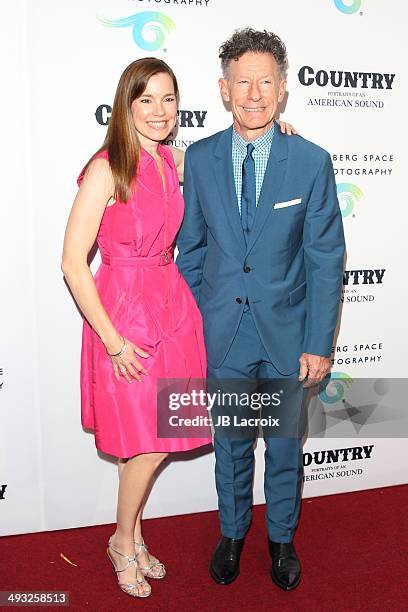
[129,588]
[155,569]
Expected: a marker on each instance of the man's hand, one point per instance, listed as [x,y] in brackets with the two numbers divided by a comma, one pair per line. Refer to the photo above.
[314,367]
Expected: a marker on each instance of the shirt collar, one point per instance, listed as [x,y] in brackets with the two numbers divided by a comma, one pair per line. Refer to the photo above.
[164,151]
[263,143]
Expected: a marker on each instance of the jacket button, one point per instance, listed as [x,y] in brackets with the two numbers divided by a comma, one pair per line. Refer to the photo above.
[247,269]
[238,300]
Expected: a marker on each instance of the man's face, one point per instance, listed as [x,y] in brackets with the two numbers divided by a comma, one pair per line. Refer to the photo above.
[254,87]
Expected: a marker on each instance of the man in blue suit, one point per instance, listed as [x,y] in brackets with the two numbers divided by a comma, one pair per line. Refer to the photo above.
[261,248]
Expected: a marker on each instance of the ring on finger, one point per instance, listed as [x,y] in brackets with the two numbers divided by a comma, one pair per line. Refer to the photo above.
[122,369]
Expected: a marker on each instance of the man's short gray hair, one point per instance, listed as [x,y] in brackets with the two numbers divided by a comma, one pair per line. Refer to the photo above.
[255,42]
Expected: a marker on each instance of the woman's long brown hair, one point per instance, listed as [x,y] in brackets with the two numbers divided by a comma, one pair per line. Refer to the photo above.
[121,140]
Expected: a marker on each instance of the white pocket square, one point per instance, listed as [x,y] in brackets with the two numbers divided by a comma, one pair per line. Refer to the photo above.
[288,203]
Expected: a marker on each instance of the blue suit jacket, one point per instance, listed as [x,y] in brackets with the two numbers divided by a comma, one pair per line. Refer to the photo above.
[294,258]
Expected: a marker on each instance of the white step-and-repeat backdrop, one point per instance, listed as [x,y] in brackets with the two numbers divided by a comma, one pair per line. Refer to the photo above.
[347,91]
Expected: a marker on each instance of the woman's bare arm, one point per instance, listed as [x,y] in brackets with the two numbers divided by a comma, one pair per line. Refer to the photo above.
[178,155]
[82,227]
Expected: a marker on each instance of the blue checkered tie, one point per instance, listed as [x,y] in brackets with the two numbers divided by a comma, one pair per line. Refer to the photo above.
[248,197]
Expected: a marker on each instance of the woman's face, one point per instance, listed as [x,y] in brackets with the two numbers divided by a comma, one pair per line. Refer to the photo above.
[155,111]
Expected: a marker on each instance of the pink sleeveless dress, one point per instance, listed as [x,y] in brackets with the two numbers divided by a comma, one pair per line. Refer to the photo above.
[149,302]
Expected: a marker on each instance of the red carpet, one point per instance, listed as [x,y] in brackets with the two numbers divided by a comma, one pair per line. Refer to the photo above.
[353,548]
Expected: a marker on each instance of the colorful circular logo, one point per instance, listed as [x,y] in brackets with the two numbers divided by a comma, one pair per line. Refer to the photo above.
[348,194]
[334,392]
[347,7]
[149,28]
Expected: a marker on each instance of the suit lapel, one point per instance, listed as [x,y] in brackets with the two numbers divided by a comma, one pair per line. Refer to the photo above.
[226,185]
[274,175]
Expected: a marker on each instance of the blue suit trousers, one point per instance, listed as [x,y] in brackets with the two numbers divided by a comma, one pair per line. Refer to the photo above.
[234,471]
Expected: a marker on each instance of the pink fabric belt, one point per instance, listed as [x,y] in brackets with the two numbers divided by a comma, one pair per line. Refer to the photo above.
[165,258]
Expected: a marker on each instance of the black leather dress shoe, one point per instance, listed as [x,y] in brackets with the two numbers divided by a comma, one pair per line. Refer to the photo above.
[224,567]
[285,570]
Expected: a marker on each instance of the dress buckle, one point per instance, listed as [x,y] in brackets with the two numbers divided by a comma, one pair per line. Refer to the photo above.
[165,257]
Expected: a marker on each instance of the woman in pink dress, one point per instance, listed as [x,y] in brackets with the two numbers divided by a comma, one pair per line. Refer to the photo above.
[141,320]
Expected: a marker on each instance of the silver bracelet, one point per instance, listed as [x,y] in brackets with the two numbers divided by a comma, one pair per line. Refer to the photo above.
[122,350]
